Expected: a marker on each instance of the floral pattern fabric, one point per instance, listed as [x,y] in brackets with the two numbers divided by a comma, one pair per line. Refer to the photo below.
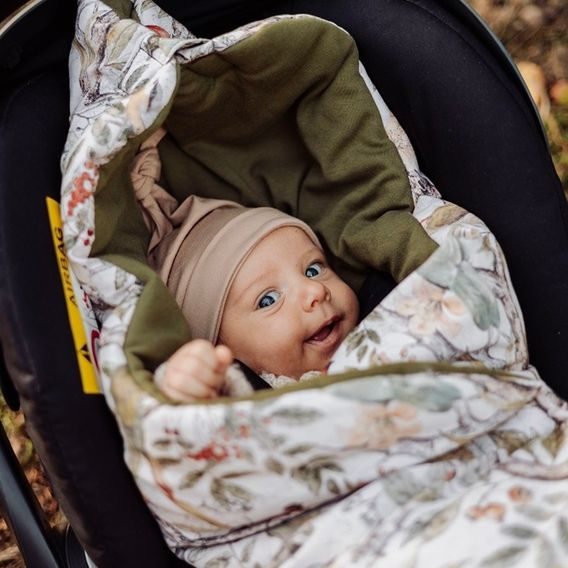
[431,443]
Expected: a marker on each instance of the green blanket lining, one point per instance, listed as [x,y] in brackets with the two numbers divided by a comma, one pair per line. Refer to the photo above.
[284,119]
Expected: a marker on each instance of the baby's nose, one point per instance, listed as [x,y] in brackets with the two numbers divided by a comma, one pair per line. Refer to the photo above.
[315,293]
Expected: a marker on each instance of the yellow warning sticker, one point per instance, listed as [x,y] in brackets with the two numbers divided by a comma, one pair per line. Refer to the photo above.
[84,327]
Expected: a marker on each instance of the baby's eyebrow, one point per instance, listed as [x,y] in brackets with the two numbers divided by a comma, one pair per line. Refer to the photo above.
[310,254]
[250,287]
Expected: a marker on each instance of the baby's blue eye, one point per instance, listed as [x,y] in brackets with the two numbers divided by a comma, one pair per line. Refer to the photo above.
[268,299]
[315,269]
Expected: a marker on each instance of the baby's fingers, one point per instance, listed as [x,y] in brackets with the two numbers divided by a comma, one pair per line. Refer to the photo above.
[224,358]
[195,371]
[186,385]
[198,349]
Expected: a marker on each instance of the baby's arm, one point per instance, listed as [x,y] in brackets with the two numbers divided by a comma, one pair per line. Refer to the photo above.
[196,371]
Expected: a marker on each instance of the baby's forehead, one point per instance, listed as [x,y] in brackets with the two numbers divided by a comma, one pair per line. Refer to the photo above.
[282,247]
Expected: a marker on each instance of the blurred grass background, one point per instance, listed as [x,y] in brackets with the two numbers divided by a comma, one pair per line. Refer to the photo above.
[535,32]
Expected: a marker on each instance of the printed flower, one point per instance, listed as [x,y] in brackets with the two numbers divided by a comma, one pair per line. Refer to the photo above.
[381,426]
[519,494]
[494,511]
[83,187]
[431,309]
[212,452]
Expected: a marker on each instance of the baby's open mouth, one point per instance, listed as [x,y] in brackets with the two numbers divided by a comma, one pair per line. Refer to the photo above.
[324,331]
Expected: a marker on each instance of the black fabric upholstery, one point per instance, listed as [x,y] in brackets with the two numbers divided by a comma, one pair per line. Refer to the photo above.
[476,137]
[75,434]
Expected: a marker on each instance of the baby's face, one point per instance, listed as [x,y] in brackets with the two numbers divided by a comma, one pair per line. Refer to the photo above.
[287,311]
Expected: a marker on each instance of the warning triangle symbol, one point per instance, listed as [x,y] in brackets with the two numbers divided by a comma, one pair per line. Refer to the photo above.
[84,351]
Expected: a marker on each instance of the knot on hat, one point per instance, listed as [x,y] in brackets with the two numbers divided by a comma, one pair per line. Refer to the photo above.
[156,203]
[146,171]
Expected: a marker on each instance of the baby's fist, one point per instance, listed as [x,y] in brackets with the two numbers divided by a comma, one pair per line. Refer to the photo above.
[196,371]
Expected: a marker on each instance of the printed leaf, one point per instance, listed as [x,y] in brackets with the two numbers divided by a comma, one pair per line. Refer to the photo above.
[230,495]
[511,440]
[563,532]
[296,416]
[311,472]
[438,397]
[435,397]
[428,494]
[554,498]
[463,454]
[119,279]
[373,335]
[332,487]
[274,441]
[361,352]
[429,527]
[555,440]
[519,531]
[219,562]
[438,523]
[155,92]
[378,390]
[471,290]
[374,316]
[247,552]
[444,216]
[311,477]
[101,132]
[122,40]
[534,512]
[401,488]
[162,444]
[300,449]
[185,443]
[354,340]
[274,465]
[545,553]
[504,557]
[441,268]
[438,271]
[167,462]
[132,81]
[191,479]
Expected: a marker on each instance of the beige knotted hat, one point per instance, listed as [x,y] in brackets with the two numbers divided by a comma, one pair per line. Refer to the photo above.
[198,246]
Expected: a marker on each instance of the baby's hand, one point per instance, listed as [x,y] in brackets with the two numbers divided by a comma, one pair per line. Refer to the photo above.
[195,371]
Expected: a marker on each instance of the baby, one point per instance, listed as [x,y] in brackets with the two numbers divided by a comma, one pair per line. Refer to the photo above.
[286,313]
[252,283]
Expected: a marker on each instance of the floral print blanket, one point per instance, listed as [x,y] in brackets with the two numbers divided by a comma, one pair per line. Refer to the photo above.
[432,442]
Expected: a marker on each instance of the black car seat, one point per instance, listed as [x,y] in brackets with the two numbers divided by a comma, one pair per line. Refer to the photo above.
[477,136]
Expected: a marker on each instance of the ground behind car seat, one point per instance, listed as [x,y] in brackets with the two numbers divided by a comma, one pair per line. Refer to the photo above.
[476,134]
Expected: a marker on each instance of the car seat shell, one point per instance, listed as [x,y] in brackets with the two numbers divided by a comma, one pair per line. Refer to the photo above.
[399,41]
